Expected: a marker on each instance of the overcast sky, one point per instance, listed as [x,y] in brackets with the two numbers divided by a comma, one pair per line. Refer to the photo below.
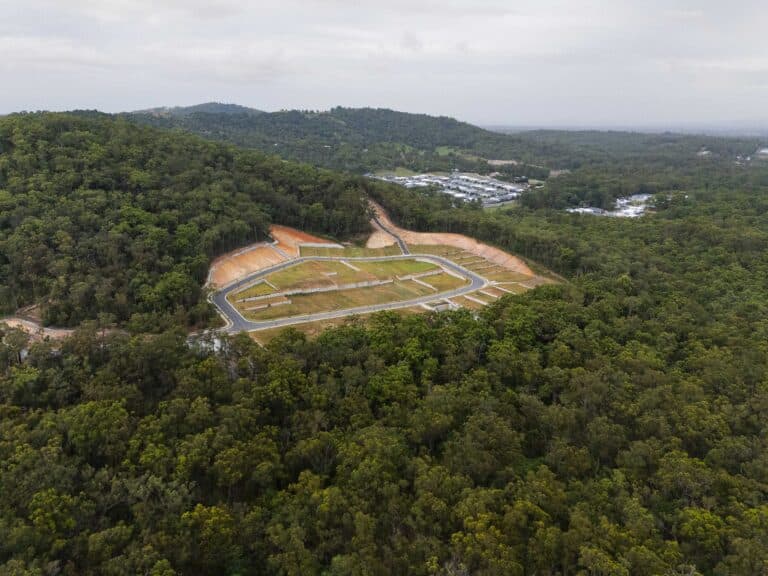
[514,62]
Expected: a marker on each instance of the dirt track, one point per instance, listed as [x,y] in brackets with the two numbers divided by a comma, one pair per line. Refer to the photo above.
[457,241]
[35,330]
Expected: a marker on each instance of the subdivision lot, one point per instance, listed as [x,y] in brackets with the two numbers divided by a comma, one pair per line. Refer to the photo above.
[465,302]
[341,300]
[350,251]
[390,268]
[330,274]
[438,250]
[444,282]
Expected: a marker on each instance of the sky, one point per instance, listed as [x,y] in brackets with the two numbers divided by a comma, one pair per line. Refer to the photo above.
[575,63]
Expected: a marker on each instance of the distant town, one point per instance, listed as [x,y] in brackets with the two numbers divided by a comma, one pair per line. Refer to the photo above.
[465,186]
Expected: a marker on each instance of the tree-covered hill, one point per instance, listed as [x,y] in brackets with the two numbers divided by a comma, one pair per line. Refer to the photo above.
[205,108]
[367,139]
[358,139]
[615,424]
[98,215]
[612,425]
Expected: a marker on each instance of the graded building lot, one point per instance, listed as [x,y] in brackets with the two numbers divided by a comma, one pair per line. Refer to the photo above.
[329,274]
[511,287]
[315,275]
[260,289]
[446,251]
[444,282]
[302,304]
[350,251]
[464,302]
[388,269]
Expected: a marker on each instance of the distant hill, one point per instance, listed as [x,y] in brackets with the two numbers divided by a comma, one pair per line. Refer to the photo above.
[369,139]
[355,139]
[205,108]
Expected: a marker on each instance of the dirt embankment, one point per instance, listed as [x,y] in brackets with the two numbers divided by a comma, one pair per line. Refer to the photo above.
[239,263]
[290,240]
[380,239]
[490,253]
[244,261]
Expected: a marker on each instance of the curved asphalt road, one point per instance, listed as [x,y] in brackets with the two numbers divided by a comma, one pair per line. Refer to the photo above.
[237,323]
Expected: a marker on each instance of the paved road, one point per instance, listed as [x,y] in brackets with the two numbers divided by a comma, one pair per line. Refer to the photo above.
[403,246]
[237,323]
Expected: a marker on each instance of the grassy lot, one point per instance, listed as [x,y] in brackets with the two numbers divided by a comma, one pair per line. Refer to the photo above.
[444,282]
[437,250]
[260,289]
[342,300]
[322,274]
[391,268]
[482,297]
[466,303]
[514,287]
[495,292]
[503,275]
[315,274]
[350,251]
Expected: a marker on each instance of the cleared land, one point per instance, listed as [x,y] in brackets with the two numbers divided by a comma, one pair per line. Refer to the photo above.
[329,274]
[457,241]
[255,303]
[350,251]
[444,282]
[317,288]
[290,240]
[380,239]
[240,263]
[341,300]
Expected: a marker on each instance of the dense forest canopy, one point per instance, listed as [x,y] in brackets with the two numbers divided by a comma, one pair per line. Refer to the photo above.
[98,215]
[614,424]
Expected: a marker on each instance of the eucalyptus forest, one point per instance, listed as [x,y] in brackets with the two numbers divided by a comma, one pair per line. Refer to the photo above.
[613,423]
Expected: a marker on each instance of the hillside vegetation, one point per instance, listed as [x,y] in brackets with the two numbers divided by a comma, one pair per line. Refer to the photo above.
[99,216]
[614,424]
[602,165]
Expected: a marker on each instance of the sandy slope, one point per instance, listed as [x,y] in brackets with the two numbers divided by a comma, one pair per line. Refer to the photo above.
[457,241]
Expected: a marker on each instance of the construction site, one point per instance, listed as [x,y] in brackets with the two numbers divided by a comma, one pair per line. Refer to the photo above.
[300,279]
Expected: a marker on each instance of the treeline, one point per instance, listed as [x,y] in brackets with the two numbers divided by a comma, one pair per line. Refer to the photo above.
[99,216]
